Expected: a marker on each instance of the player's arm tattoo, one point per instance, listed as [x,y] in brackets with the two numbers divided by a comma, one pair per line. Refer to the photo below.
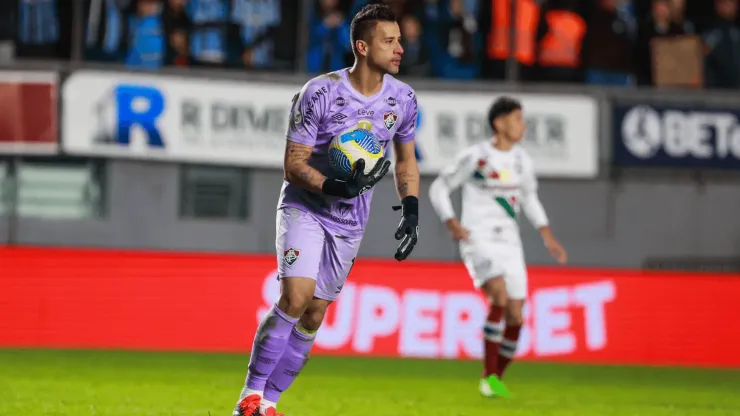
[407,182]
[406,171]
[297,170]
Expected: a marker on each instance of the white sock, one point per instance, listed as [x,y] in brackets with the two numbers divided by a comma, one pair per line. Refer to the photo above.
[266,404]
[248,392]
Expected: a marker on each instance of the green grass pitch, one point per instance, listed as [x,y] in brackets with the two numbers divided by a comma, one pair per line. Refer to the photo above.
[113,383]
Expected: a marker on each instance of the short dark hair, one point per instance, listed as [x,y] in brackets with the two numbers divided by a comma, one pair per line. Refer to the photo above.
[503,106]
[365,20]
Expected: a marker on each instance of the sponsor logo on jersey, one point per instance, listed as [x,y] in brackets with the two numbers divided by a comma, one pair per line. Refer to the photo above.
[389,119]
[339,118]
[340,102]
[290,256]
[297,117]
[391,101]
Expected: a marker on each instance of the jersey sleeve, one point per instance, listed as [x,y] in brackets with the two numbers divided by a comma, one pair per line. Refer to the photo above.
[451,178]
[307,112]
[407,130]
[531,204]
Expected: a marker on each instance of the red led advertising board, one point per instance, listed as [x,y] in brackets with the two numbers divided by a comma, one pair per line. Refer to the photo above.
[73,298]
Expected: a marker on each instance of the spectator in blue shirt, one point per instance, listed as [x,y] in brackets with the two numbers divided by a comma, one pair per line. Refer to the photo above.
[146,36]
[259,21]
[214,38]
[44,29]
[105,29]
[140,33]
[329,40]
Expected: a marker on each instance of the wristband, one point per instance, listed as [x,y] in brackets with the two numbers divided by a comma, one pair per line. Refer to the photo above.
[410,206]
[334,187]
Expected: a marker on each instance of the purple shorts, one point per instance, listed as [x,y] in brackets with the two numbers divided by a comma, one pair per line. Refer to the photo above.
[306,248]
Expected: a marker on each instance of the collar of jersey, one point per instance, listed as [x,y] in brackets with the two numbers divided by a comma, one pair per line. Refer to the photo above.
[345,79]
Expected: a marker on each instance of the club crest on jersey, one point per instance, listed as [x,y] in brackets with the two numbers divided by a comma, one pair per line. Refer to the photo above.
[480,170]
[390,118]
[290,256]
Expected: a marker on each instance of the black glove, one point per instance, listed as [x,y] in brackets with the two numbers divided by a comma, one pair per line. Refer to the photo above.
[408,229]
[358,183]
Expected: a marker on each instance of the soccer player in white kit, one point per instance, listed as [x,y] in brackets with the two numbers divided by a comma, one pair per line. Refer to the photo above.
[498,182]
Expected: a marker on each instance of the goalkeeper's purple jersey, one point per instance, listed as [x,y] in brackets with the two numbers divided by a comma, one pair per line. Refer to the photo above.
[328,105]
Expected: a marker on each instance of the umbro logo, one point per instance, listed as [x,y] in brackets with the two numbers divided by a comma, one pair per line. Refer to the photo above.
[339,118]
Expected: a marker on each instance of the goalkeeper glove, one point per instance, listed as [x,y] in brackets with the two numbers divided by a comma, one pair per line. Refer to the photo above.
[358,183]
[408,229]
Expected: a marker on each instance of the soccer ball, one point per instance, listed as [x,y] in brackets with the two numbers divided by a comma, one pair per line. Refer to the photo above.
[347,148]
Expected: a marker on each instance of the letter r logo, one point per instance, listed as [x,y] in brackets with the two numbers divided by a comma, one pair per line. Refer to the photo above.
[138,105]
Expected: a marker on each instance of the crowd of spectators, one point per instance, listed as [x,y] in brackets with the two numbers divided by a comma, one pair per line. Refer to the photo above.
[606,42]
